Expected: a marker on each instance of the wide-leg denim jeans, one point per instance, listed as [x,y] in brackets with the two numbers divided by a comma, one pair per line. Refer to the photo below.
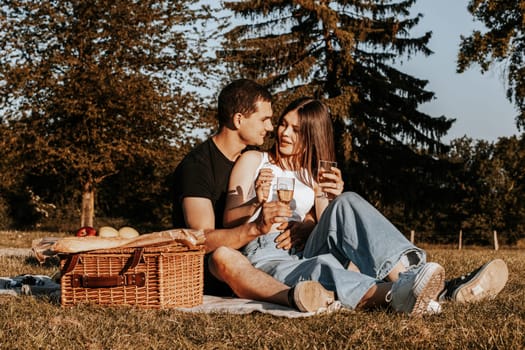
[350,230]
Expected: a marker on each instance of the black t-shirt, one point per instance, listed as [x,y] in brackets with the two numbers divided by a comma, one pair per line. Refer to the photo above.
[204,173]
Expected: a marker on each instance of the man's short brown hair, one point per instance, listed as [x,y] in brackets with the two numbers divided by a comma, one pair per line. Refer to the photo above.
[240,96]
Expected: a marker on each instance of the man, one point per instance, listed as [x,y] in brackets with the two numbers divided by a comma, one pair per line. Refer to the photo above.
[200,185]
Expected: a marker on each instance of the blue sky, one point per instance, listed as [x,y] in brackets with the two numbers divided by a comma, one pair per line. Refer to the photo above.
[476,101]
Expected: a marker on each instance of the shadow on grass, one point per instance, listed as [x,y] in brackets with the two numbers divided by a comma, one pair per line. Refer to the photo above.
[49,263]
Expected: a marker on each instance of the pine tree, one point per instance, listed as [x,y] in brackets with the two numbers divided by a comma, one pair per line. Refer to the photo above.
[344,52]
[88,88]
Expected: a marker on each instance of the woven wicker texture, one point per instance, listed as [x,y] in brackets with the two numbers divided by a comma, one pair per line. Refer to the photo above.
[173,277]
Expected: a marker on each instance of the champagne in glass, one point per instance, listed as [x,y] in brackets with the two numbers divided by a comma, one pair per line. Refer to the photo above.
[325,166]
[285,188]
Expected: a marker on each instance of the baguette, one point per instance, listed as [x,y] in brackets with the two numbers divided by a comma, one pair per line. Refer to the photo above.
[84,244]
[50,246]
[193,239]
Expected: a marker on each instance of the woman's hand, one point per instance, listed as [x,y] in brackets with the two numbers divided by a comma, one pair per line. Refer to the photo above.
[330,185]
[263,184]
[295,235]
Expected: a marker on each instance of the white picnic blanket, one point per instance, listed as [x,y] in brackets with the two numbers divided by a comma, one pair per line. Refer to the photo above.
[39,285]
[213,304]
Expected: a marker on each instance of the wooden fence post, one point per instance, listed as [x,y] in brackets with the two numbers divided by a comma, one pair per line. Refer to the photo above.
[460,245]
[496,244]
[412,233]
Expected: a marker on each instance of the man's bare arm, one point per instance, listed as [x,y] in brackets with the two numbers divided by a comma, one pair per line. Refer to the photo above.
[198,214]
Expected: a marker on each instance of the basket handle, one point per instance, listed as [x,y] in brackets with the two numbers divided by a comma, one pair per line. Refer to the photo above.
[71,262]
[133,261]
[129,279]
[122,279]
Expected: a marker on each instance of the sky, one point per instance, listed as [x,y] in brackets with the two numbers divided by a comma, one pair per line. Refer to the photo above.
[477,101]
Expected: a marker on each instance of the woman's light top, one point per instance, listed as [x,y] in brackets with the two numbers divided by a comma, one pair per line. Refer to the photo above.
[303,196]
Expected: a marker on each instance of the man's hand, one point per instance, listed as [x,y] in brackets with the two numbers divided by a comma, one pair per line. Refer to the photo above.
[272,213]
[295,235]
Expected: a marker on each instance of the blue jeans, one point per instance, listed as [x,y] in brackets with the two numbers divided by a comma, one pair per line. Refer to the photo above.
[350,230]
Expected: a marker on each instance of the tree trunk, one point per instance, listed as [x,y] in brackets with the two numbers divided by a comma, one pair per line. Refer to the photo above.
[496,243]
[87,214]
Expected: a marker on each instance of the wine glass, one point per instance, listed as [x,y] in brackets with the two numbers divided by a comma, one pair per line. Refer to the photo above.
[285,188]
[325,166]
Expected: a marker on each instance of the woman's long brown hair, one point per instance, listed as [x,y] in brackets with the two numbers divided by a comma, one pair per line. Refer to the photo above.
[316,138]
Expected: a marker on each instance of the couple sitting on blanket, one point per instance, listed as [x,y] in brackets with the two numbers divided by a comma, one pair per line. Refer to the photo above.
[325,245]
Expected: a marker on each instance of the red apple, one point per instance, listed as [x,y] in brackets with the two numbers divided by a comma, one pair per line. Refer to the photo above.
[86,231]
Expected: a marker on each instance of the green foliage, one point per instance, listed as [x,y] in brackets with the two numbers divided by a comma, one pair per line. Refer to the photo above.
[5,214]
[104,96]
[503,41]
[488,189]
[343,52]
[89,89]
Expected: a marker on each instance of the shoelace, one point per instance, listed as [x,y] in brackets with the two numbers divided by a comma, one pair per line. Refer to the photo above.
[455,282]
[388,296]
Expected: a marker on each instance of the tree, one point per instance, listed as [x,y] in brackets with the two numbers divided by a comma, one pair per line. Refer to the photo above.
[485,185]
[488,189]
[510,154]
[344,51]
[89,88]
[502,42]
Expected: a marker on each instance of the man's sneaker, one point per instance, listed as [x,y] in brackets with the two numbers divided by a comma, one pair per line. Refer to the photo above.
[434,307]
[415,292]
[310,296]
[484,282]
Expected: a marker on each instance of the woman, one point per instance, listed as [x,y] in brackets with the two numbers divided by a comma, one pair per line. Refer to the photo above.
[349,231]
[296,154]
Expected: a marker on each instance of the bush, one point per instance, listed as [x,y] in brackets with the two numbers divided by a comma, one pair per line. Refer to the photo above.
[5,216]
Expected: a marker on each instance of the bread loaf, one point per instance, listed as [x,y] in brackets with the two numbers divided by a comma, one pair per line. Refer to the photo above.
[107,232]
[128,232]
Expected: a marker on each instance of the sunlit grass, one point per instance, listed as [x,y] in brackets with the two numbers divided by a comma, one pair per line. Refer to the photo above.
[23,239]
[29,322]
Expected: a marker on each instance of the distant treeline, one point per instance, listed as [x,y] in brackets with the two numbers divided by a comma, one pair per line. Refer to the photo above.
[481,189]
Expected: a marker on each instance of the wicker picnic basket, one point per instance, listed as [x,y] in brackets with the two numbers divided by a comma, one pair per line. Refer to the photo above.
[164,276]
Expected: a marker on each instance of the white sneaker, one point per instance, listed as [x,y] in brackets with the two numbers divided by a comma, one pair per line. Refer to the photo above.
[416,293]
[310,296]
[434,307]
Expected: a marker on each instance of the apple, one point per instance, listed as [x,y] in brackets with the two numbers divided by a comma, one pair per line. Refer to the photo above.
[86,231]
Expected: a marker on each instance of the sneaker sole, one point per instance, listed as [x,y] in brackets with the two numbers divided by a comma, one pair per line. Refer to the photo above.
[310,296]
[429,282]
[486,284]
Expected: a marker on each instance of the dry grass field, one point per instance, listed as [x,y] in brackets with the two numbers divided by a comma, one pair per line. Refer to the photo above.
[28,322]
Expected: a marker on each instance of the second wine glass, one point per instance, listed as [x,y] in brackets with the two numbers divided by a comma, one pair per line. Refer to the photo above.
[285,188]
[325,166]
